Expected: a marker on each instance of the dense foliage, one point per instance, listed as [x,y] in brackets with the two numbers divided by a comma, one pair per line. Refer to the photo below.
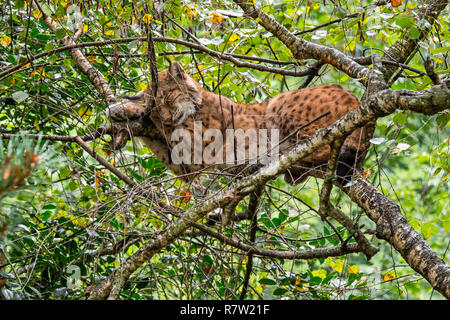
[66,222]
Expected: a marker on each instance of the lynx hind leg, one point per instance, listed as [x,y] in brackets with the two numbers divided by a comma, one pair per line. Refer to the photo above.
[347,163]
[125,110]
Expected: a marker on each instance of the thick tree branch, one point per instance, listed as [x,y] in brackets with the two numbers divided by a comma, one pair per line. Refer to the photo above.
[394,228]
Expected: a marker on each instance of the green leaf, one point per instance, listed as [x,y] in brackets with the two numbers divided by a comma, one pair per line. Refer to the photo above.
[60,11]
[440,50]
[49,46]
[414,33]
[341,12]
[267,281]
[446,225]
[60,33]
[443,119]
[46,216]
[19,4]
[67,63]
[428,229]
[400,118]
[279,291]
[414,224]
[404,21]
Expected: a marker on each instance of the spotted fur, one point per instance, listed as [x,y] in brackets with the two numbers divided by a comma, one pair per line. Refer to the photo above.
[181,100]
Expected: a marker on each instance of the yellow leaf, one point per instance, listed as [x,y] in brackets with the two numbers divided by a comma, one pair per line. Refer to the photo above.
[300,286]
[147,18]
[25,66]
[36,125]
[316,6]
[233,38]
[39,72]
[61,213]
[36,14]
[351,45]
[141,86]
[336,264]
[85,113]
[321,273]
[5,41]
[353,269]
[389,276]
[85,28]
[109,32]
[97,179]
[244,263]
[190,11]
[215,18]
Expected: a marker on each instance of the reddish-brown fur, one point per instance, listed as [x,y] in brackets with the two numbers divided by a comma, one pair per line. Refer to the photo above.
[181,100]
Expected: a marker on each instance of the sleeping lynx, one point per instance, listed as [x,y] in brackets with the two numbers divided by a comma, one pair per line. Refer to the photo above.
[181,103]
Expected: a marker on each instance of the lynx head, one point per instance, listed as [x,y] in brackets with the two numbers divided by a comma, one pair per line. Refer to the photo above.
[178,95]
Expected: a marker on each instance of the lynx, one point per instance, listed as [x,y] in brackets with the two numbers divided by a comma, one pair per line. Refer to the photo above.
[181,102]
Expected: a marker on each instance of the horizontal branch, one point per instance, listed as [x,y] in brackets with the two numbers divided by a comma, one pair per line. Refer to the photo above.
[429,102]
[184,52]
[290,255]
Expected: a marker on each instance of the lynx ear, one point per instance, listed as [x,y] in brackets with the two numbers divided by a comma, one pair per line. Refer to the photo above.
[176,71]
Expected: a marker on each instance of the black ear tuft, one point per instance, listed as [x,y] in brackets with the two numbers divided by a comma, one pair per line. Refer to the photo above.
[176,71]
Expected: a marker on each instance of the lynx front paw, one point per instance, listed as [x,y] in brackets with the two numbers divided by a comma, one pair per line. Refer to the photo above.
[125,110]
